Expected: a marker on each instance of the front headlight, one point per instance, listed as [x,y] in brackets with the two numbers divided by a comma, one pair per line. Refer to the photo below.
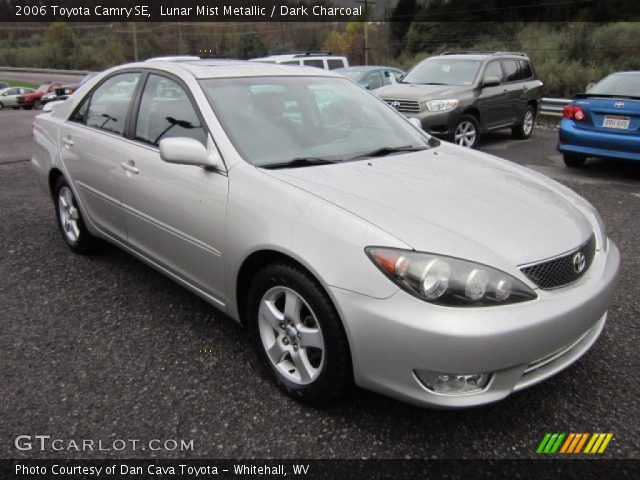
[447,280]
[441,105]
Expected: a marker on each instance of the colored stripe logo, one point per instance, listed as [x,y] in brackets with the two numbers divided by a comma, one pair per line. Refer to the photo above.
[573,443]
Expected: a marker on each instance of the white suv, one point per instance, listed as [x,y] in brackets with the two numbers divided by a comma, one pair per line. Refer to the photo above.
[318,60]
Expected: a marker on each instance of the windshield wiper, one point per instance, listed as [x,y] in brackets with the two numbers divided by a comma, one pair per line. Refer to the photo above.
[381,152]
[299,162]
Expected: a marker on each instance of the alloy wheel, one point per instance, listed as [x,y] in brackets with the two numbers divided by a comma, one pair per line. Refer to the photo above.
[291,335]
[527,125]
[68,215]
[465,134]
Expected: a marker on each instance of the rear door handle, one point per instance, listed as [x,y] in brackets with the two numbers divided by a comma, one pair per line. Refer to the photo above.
[130,166]
[67,142]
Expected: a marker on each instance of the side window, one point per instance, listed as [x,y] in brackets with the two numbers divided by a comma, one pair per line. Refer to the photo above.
[80,113]
[511,70]
[291,62]
[493,70]
[109,103]
[372,80]
[334,63]
[13,91]
[525,70]
[165,112]
[318,63]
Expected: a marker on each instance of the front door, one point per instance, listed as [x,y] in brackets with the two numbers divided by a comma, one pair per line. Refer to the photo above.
[174,214]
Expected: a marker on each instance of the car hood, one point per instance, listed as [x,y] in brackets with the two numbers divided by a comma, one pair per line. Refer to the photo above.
[412,91]
[453,201]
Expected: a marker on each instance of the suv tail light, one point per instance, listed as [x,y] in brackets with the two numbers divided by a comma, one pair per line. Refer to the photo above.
[573,112]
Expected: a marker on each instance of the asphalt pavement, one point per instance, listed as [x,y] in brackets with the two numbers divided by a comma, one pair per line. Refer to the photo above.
[103,347]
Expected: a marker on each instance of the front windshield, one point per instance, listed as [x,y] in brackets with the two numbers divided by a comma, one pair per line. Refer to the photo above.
[623,85]
[273,120]
[43,88]
[444,71]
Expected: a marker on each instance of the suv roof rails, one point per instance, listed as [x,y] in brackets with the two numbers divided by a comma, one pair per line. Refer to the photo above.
[483,52]
[310,54]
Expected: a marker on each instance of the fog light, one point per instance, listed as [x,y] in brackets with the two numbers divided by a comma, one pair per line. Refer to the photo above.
[453,383]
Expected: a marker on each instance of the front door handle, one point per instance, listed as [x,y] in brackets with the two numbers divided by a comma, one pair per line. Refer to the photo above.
[67,142]
[130,166]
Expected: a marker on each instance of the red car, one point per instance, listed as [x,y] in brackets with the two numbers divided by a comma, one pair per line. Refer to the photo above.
[33,100]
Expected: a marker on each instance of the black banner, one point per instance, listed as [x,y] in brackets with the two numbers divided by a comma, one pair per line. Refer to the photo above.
[320,469]
[317,11]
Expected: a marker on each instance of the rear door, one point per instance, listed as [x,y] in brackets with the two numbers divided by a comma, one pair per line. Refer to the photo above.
[174,214]
[91,144]
[516,90]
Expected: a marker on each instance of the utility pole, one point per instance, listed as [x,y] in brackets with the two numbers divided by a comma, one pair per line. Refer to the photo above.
[366,4]
[135,41]
[179,38]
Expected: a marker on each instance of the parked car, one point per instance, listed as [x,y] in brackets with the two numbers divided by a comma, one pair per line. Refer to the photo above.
[604,122]
[64,91]
[4,85]
[372,77]
[9,96]
[325,61]
[461,95]
[352,245]
[34,99]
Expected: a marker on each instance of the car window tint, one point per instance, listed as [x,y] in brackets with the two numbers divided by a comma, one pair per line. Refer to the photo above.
[313,63]
[372,80]
[110,102]
[493,70]
[291,62]
[511,70]
[525,70]
[13,91]
[334,63]
[166,112]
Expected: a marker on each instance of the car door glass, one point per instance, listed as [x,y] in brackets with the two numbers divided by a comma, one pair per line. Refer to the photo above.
[166,112]
[334,63]
[511,69]
[372,80]
[13,91]
[313,63]
[493,70]
[525,70]
[110,102]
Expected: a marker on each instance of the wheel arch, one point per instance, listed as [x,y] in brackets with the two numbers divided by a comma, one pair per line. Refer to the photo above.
[256,261]
[54,175]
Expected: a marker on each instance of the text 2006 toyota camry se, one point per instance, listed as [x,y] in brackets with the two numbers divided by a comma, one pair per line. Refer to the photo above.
[354,247]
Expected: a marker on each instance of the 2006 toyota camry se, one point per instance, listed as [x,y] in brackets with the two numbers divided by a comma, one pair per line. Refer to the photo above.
[354,247]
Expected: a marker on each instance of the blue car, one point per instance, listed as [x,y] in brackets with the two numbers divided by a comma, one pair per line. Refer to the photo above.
[605,122]
[371,77]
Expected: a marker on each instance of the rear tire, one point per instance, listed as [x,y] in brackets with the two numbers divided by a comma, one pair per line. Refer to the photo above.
[1,106]
[574,161]
[524,129]
[70,221]
[298,334]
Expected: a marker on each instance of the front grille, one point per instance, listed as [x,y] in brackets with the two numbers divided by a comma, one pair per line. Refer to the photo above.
[563,270]
[404,106]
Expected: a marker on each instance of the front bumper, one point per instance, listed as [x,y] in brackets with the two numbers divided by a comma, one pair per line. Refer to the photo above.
[438,124]
[597,143]
[520,344]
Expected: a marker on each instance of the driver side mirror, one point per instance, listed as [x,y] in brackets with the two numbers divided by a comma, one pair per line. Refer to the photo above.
[188,151]
[491,81]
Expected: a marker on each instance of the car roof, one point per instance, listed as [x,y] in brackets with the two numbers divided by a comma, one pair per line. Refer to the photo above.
[631,72]
[297,55]
[482,56]
[364,68]
[231,68]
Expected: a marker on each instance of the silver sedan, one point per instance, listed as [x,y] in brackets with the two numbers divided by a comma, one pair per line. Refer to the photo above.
[354,247]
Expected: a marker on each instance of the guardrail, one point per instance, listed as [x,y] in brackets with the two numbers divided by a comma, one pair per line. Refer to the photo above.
[44,70]
[553,106]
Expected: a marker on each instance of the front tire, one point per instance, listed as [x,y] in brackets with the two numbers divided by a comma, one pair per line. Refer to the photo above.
[70,221]
[467,132]
[37,104]
[298,334]
[1,106]
[574,161]
[524,129]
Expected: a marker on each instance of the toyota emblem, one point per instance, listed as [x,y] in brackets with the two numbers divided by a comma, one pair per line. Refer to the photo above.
[579,262]
[395,104]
